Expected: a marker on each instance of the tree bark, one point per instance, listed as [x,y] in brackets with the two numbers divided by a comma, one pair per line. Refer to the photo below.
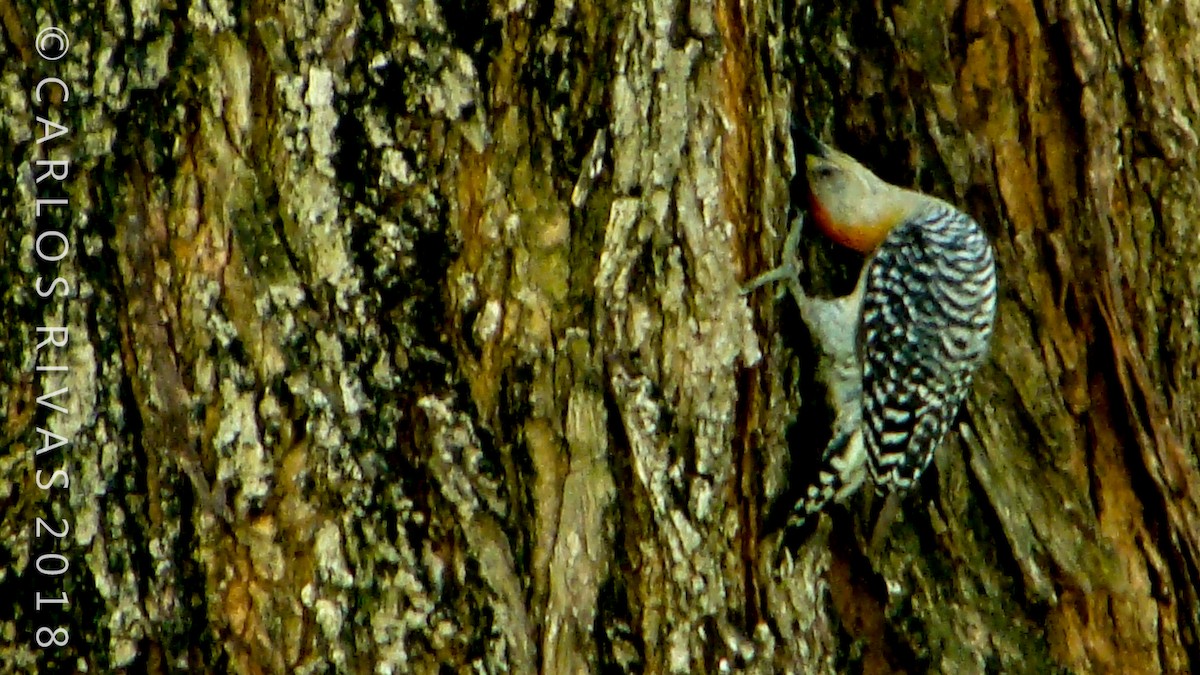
[409,339]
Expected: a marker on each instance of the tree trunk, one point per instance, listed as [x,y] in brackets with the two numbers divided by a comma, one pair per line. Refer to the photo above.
[410,340]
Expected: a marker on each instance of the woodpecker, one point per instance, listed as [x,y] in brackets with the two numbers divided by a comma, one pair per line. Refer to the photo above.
[898,353]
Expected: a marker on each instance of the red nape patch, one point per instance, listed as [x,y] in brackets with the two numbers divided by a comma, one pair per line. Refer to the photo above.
[862,237]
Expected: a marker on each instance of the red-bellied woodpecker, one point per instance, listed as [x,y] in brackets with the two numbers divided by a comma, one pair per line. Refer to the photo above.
[899,352]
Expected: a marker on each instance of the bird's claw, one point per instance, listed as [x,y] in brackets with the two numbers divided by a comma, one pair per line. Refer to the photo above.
[789,266]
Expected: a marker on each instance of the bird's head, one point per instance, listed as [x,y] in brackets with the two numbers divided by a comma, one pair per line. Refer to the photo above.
[850,204]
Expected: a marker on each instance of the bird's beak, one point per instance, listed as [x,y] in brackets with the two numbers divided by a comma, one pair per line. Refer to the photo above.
[806,141]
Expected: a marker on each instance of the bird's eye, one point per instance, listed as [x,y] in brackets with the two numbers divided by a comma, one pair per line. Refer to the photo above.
[824,171]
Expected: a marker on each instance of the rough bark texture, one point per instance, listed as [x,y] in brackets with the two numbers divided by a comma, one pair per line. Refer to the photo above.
[409,339]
